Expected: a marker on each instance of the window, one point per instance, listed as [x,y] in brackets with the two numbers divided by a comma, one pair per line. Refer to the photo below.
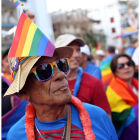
[111,19]
[113,30]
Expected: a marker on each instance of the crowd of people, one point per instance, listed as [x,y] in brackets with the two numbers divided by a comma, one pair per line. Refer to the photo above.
[67,96]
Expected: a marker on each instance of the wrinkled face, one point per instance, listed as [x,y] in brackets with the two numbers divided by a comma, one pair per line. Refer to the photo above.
[5,65]
[75,58]
[55,91]
[125,73]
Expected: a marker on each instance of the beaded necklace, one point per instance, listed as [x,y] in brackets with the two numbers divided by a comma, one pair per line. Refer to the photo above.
[64,132]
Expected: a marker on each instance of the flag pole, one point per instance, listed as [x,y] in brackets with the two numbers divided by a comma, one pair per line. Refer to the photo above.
[19,73]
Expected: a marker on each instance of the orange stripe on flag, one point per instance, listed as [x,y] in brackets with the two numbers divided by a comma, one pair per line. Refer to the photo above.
[120,90]
[23,37]
[107,77]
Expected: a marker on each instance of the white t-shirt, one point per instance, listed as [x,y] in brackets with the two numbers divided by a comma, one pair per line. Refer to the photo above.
[135,56]
[134,90]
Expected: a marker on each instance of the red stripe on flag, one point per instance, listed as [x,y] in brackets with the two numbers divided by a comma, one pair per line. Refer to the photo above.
[17,35]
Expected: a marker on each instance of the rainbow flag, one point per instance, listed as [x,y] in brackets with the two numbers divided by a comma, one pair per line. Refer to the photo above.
[106,71]
[124,106]
[30,41]
[15,2]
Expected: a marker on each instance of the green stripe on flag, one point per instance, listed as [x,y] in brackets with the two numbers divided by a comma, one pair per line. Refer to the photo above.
[36,40]
[119,118]
[107,65]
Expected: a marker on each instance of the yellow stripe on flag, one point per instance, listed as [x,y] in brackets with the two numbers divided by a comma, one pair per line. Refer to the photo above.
[29,40]
[115,101]
[106,72]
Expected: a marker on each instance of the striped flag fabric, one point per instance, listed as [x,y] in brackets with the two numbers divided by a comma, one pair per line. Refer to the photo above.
[124,106]
[30,41]
[106,71]
[15,2]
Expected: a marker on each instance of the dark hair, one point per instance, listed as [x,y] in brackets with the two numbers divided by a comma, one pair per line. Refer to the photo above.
[113,64]
[111,49]
[5,53]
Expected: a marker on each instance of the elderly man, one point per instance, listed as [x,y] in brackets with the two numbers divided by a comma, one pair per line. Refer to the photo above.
[53,113]
[87,88]
[43,82]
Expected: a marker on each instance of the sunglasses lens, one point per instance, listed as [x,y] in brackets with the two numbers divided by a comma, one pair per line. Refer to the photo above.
[119,66]
[63,65]
[44,71]
[129,63]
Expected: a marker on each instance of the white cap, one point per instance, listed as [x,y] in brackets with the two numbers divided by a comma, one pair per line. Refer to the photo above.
[66,39]
[100,52]
[85,49]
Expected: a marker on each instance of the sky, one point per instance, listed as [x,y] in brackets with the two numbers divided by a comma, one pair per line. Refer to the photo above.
[55,5]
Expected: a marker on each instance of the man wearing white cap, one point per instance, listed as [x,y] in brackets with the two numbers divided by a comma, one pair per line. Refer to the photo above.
[86,87]
[87,66]
[99,57]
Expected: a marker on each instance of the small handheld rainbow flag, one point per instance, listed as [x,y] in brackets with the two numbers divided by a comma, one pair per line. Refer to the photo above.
[15,2]
[30,41]
[106,71]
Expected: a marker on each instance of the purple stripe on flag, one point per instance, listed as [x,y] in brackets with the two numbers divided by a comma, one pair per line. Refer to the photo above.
[49,49]
[6,117]
[130,132]
[136,112]
[42,46]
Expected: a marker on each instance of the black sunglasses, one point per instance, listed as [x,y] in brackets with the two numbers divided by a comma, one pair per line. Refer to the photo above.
[121,65]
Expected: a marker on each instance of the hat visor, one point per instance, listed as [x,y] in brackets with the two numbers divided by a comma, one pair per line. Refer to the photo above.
[80,41]
[62,52]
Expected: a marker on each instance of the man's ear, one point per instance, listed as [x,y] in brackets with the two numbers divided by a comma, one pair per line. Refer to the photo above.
[23,95]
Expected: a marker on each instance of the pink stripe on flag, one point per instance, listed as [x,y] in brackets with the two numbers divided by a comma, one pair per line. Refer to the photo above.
[49,49]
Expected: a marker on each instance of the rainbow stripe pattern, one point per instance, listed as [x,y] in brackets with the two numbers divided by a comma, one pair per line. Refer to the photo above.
[30,41]
[21,60]
[106,71]
[15,2]
[124,106]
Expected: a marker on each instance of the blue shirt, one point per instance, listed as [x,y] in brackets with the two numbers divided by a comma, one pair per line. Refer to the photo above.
[93,70]
[101,124]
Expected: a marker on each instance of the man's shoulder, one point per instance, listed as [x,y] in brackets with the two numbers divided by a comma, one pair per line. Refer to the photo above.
[92,66]
[89,78]
[17,130]
[94,110]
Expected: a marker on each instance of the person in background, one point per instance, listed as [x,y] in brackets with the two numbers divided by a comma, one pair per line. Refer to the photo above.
[87,66]
[105,66]
[122,94]
[5,66]
[121,49]
[99,56]
[13,108]
[87,88]
[135,58]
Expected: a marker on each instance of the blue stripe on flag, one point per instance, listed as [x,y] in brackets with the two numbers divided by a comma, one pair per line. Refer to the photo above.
[42,45]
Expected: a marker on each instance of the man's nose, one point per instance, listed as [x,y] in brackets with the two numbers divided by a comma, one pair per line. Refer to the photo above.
[76,54]
[58,75]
